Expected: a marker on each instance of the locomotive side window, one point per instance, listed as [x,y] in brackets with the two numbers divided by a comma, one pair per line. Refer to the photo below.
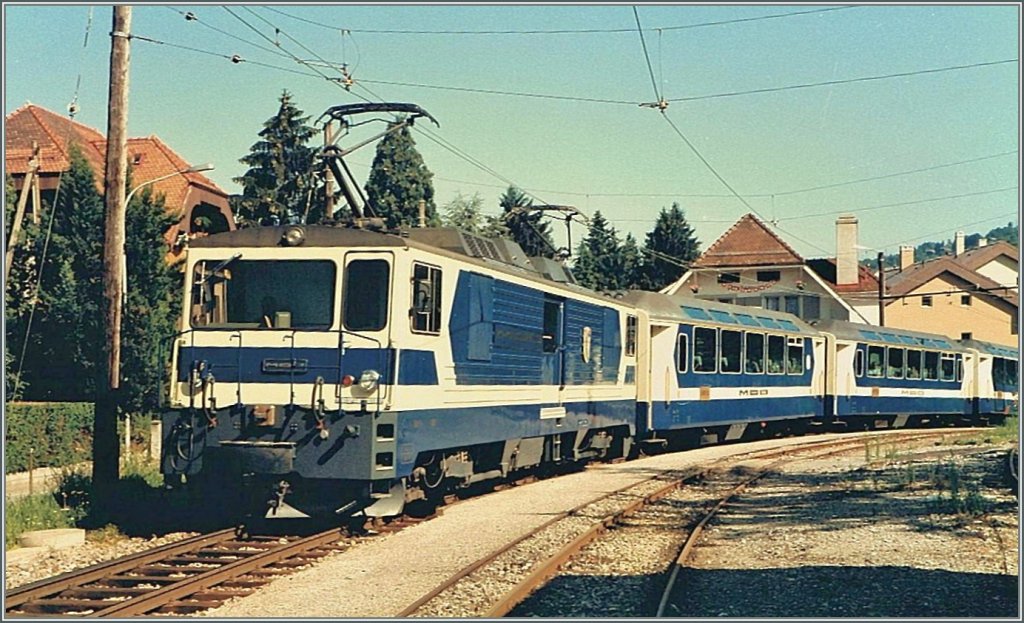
[931,365]
[426,299]
[705,347]
[913,364]
[795,355]
[776,354]
[895,363]
[732,351]
[366,295]
[858,363]
[946,371]
[959,370]
[876,354]
[755,353]
[682,352]
[631,336]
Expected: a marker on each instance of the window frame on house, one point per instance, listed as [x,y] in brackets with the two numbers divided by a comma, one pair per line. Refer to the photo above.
[728,277]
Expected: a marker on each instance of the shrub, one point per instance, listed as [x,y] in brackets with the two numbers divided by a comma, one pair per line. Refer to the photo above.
[47,434]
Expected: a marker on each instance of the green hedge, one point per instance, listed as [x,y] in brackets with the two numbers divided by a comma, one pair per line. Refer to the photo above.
[55,433]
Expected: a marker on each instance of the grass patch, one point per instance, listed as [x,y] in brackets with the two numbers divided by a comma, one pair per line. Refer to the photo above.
[957,495]
[34,512]
[1007,432]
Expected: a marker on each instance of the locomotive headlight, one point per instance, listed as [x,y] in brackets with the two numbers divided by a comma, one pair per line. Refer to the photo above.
[293,236]
[369,379]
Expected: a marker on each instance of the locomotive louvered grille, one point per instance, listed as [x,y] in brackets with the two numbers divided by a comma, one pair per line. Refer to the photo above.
[482,247]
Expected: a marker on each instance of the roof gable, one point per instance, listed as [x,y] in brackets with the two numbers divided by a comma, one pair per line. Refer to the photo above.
[980,256]
[905,282]
[52,133]
[749,242]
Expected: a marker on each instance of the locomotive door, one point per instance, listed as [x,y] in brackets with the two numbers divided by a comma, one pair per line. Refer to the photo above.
[553,344]
[367,295]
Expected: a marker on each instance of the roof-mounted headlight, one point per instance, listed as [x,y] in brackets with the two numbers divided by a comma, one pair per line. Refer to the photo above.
[293,236]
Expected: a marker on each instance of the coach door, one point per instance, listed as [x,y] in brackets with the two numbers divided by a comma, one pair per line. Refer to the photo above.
[367,298]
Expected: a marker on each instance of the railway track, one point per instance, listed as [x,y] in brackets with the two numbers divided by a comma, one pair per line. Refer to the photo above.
[180,578]
[203,572]
[474,583]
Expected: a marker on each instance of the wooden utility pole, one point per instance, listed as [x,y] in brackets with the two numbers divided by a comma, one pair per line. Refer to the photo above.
[881,289]
[19,211]
[105,446]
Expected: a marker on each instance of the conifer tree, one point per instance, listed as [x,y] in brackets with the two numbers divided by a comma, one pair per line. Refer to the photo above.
[632,264]
[398,180]
[669,245]
[281,185]
[525,227]
[598,260]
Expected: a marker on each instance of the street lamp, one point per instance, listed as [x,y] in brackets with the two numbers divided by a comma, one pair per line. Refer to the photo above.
[206,166]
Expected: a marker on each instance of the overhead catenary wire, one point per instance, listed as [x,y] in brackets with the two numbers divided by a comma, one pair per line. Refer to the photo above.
[563,31]
[898,204]
[826,83]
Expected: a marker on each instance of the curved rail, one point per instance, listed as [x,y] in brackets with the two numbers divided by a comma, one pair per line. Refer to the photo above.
[676,478]
[695,533]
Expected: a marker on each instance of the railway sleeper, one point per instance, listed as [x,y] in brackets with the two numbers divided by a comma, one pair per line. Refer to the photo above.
[130,580]
[64,606]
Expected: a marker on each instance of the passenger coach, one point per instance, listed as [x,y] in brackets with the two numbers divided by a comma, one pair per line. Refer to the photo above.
[719,371]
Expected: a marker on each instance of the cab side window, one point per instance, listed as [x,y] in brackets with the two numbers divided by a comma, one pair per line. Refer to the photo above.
[426,299]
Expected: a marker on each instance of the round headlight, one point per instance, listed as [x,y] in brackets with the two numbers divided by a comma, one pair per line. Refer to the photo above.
[293,236]
[369,379]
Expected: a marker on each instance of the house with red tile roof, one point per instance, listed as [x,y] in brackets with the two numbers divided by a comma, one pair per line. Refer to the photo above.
[200,206]
[752,265]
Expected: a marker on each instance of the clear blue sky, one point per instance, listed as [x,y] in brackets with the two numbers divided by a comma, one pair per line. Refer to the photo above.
[614,156]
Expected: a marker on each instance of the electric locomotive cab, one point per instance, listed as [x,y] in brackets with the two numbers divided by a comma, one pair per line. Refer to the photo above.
[282,370]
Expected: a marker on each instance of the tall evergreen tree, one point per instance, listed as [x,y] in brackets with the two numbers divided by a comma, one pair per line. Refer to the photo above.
[281,185]
[669,245]
[632,264]
[398,180]
[64,355]
[525,227]
[598,260]
[152,308]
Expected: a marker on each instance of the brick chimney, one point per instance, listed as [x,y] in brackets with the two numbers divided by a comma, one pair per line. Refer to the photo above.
[846,250]
[958,244]
[906,257]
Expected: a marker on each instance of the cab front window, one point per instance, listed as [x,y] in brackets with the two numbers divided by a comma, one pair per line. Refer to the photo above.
[262,294]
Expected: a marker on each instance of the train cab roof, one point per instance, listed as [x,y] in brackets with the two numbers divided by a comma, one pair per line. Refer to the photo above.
[888,336]
[997,350]
[690,310]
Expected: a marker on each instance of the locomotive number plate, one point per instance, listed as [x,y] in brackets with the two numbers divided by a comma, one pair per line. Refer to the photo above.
[284,366]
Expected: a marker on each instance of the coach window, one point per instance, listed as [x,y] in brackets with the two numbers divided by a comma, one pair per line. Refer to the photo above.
[913,364]
[682,352]
[776,354]
[755,353]
[795,355]
[366,295]
[705,349]
[876,354]
[732,351]
[946,371]
[630,336]
[426,299]
[931,365]
[858,363]
[895,363]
